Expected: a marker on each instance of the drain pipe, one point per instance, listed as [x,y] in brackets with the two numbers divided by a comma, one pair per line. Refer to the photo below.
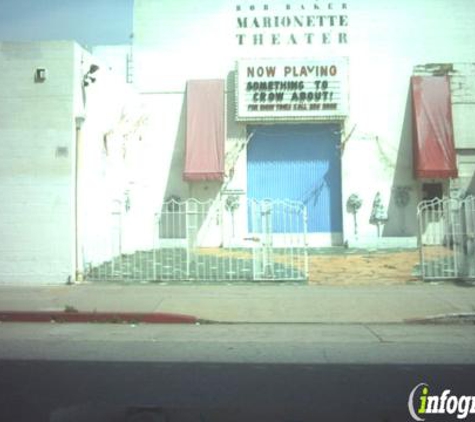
[78,275]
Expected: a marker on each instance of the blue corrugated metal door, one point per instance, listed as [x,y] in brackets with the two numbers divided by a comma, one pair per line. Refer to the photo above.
[298,162]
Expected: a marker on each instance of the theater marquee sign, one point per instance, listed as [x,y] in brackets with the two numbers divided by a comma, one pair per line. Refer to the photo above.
[278,23]
[292,89]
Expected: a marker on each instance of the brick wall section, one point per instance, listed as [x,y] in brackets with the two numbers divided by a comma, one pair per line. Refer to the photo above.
[36,163]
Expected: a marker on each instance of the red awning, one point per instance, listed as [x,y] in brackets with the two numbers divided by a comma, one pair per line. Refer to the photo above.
[204,130]
[434,150]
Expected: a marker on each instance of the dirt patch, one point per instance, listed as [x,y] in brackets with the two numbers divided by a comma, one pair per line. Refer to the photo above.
[363,268]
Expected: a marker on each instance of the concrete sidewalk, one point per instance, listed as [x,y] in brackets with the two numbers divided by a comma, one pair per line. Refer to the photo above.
[251,303]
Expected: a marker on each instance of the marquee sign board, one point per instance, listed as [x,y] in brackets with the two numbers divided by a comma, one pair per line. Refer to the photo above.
[292,89]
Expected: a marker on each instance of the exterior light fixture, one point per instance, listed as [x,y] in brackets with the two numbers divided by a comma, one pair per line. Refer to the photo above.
[88,79]
[93,69]
[40,75]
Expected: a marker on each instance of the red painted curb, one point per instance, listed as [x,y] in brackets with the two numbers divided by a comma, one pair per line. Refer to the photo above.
[101,317]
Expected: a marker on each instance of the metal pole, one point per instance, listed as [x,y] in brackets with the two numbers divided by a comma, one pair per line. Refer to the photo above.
[78,275]
[305,246]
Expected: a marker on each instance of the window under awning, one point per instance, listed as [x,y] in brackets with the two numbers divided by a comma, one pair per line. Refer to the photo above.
[204,158]
[433,141]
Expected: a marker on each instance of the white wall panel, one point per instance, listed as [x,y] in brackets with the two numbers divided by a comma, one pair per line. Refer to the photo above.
[36,163]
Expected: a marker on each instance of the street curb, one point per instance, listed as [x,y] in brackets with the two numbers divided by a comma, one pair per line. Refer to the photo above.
[450,318]
[97,317]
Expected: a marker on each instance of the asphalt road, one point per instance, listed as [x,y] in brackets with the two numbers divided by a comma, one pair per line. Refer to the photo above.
[290,373]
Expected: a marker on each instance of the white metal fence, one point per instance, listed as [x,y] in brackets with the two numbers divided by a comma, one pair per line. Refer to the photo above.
[227,240]
[447,238]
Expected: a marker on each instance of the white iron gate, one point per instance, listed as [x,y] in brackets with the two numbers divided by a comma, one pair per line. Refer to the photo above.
[198,241]
[447,238]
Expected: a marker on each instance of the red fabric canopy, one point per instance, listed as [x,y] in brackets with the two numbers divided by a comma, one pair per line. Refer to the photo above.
[434,150]
[204,130]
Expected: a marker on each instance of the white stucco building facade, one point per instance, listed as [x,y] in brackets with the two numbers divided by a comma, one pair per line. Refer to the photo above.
[383,44]
[64,135]
[310,101]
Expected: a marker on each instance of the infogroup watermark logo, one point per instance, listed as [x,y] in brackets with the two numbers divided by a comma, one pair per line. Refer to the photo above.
[421,404]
